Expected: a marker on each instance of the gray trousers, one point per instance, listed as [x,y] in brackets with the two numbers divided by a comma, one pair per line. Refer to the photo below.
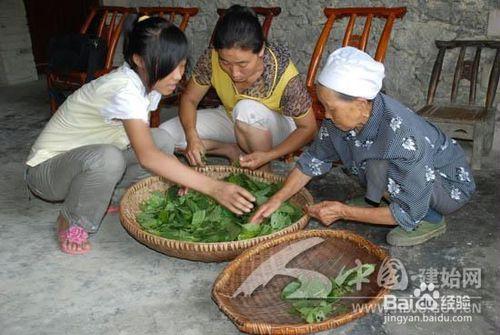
[86,177]
[376,186]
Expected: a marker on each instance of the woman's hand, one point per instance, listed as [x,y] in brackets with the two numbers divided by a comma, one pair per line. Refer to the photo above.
[195,152]
[182,191]
[233,197]
[327,212]
[255,160]
[265,210]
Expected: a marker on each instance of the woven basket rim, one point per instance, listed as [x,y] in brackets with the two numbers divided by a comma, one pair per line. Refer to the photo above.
[227,245]
[295,328]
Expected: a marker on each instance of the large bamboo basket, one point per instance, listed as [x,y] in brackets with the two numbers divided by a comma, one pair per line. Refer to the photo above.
[207,252]
[263,311]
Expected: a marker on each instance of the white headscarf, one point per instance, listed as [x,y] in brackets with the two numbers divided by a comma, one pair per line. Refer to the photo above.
[353,72]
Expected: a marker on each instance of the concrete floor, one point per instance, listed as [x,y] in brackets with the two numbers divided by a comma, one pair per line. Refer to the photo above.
[122,287]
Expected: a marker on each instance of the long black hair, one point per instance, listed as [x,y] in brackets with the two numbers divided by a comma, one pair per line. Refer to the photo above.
[160,44]
[239,28]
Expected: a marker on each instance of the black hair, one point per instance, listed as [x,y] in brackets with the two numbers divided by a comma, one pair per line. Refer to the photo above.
[239,28]
[160,44]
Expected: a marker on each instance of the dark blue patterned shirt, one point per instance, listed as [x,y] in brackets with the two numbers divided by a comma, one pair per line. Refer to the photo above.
[417,151]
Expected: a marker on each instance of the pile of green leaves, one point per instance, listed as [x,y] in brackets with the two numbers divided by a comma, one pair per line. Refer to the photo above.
[313,310]
[198,218]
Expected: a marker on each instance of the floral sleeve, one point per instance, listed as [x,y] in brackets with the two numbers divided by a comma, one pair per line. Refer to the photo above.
[317,159]
[202,72]
[295,101]
[410,181]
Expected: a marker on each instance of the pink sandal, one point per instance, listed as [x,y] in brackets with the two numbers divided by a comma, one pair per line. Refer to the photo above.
[73,234]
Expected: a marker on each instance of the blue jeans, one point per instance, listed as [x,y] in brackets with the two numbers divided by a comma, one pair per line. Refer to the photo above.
[432,216]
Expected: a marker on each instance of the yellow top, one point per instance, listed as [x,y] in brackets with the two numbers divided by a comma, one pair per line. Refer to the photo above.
[229,95]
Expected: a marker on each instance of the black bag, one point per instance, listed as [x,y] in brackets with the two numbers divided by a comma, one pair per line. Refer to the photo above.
[77,52]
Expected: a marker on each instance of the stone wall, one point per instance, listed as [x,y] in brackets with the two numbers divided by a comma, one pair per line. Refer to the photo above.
[411,52]
[16,57]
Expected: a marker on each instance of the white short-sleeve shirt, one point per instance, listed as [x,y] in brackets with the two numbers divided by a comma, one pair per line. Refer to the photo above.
[93,115]
[130,101]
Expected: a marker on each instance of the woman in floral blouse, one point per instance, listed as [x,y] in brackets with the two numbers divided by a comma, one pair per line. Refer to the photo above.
[266,110]
[413,173]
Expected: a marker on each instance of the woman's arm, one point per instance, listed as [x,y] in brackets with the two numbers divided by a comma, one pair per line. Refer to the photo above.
[327,212]
[295,181]
[190,99]
[235,198]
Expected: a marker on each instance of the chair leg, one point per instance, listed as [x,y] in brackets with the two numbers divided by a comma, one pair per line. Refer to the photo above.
[489,133]
[477,146]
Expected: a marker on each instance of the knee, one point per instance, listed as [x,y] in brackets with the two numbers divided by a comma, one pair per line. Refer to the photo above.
[173,128]
[108,159]
[252,113]
[163,140]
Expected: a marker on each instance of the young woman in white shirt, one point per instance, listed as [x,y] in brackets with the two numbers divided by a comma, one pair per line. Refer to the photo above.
[99,139]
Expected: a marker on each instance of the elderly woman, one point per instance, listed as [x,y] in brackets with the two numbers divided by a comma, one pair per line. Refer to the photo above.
[266,109]
[413,173]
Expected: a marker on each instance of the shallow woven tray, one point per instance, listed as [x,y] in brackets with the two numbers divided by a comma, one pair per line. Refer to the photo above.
[207,252]
[264,312]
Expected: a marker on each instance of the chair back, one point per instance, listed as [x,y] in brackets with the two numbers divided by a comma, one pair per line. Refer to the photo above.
[466,69]
[177,15]
[352,38]
[107,23]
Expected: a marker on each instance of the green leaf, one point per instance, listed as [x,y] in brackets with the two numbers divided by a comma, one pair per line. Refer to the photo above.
[320,307]
[310,316]
[289,289]
[279,221]
[311,289]
[250,230]
[265,230]
[198,218]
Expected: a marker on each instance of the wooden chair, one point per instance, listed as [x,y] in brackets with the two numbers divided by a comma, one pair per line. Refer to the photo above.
[107,22]
[179,16]
[468,121]
[360,41]
[266,15]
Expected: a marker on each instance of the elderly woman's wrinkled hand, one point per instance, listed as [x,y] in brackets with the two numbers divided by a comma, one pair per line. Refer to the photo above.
[327,212]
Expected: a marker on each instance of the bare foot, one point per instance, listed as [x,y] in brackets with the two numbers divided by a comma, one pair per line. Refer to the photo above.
[72,240]
[233,153]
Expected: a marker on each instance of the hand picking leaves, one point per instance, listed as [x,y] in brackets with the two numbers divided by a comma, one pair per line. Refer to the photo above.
[198,218]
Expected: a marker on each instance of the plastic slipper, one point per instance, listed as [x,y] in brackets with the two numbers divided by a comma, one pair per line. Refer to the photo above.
[73,234]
